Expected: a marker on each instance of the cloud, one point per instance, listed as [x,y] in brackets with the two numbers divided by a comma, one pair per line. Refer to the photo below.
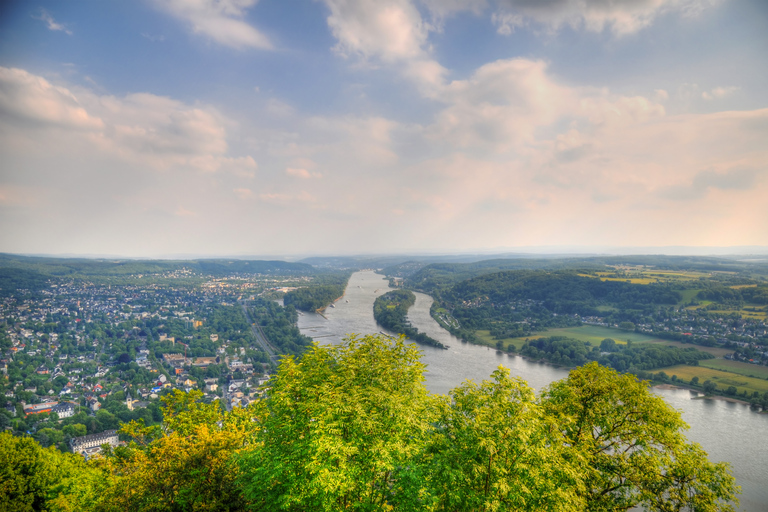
[243,193]
[183,212]
[52,24]
[500,105]
[704,181]
[719,92]
[302,173]
[140,128]
[391,32]
[31,99]
[220,20]
[621,18]
[152,38]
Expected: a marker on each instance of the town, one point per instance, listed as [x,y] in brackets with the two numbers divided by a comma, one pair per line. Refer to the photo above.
[81,358]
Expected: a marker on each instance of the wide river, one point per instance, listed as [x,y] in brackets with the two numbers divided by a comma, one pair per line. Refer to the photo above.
[728,431]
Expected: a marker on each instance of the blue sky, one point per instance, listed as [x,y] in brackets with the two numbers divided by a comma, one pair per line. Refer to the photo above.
[226,127]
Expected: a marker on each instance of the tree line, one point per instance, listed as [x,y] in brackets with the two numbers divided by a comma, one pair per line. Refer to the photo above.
[630,357]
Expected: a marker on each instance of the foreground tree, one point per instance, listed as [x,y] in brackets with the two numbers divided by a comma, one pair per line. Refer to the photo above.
[494,450]
[183,465]
[337,426]
[631,447]
[34,478]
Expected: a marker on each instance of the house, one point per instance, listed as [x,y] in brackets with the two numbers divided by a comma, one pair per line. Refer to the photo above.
[64,410]
[39,408]
[90,445]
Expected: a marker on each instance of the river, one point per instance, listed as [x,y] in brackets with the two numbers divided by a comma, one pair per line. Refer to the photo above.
[728,431]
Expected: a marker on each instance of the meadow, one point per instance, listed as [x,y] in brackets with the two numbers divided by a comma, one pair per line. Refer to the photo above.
[746,369]
[721,378]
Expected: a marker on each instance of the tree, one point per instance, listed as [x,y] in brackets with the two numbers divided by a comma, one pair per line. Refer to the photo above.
[494,449]
[631,446]
[183,464]
[35,478]
[337,425]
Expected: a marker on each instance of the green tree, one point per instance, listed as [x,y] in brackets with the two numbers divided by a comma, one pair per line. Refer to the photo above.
[494,449]
[183,464]
[34,478]
[337,425]
[631,445]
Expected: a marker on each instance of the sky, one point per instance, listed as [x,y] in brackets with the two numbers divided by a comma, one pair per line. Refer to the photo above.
[289,127]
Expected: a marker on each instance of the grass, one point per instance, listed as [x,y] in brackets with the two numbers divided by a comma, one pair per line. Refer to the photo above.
[485,338]
[688,295]
[594,334]
[715,351]
[722,379]
[756,315]
[746,369]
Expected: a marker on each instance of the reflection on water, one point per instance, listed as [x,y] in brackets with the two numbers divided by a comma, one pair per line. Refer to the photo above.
[728,431]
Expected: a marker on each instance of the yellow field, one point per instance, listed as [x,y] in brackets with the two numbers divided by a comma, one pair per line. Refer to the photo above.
[746,369]
[721,378]
[756,315]
[645,276]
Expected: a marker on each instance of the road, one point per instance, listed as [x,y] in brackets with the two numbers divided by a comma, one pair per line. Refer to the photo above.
[259,334]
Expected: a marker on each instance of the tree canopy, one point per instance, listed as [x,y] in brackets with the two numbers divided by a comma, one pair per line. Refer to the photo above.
[352,427]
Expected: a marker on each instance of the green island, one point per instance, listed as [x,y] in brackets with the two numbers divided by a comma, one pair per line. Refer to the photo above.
[391,311]
[352,427]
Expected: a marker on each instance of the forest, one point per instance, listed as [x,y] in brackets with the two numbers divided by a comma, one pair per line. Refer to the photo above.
[279,325]
[324,290]
[569,352]
[352,427]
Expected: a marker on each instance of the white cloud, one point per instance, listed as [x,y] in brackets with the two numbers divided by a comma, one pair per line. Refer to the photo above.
[32,99]
[243,193]
[500,106]
[391,32]
[302,173]
[220,20]
[142,128]
[625,17]
[719,92]
[52,24]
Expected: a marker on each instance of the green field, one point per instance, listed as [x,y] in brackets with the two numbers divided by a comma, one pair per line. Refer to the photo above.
[591,333]
[746,369]
[485,338]
[715,351]
[721,378]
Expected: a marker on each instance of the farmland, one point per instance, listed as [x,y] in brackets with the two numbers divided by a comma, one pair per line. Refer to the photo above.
[746,369]
[721,378]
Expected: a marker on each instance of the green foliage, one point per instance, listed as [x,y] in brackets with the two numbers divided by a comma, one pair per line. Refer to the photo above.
[391,312]
[337,425]
[324,291]
[494,449]
[570,352]
[352,427]
[279,326]
[631,447]
[33,478]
